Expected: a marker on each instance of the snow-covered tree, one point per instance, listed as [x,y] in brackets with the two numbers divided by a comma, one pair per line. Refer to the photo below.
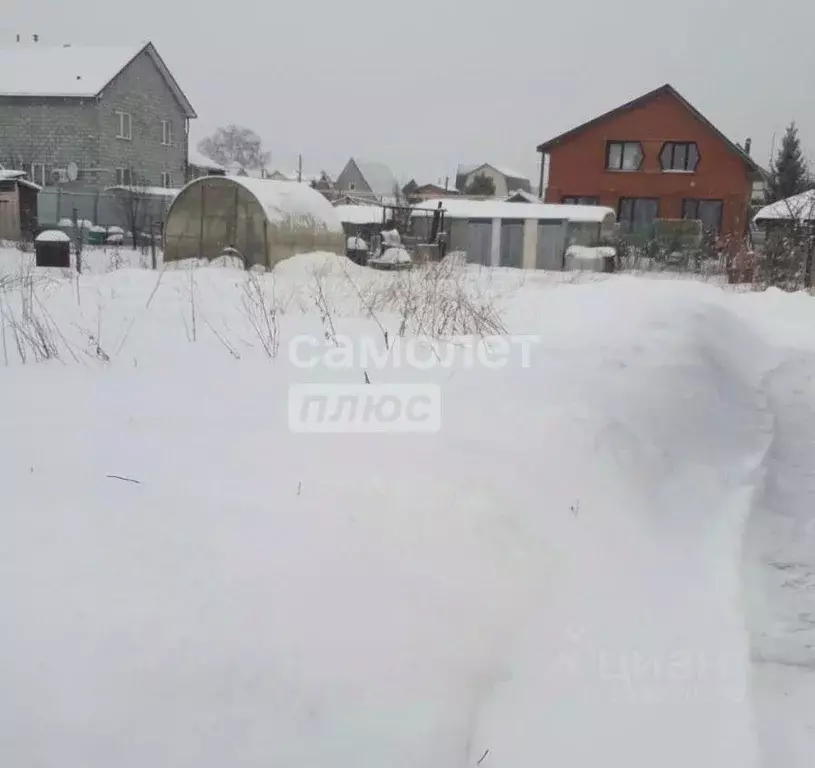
[235,144]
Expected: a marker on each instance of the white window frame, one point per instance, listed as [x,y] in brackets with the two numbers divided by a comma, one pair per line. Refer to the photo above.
[166,133]
[166,180]
[38,178]
[125,120]
[124,177]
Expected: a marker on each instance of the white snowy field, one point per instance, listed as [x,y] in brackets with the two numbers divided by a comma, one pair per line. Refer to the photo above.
[601,558]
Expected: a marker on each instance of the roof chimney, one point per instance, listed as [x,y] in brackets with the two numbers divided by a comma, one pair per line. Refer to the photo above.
[36,38]
[18,38]
[747,144]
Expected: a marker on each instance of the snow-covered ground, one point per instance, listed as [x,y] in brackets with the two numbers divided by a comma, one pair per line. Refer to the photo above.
[603,557]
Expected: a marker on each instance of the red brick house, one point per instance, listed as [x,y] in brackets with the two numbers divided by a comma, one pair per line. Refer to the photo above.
[655,157]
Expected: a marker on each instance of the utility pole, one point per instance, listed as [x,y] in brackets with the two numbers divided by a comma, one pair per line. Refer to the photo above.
[299,167]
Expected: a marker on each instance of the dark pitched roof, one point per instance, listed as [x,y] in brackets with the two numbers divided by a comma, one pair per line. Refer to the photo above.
[644,99]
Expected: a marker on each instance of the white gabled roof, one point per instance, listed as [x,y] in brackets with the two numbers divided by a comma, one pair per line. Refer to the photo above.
[69,71]
[464,208]
[40,70]
[796,208]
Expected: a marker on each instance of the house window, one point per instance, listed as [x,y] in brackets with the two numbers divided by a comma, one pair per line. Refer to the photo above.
[38,173]
[166,133]
[351,186]
[624,155]
[637,214]
[124,128]
[166,180]
[679,156]
[580,200]
[123,177]
[709,212]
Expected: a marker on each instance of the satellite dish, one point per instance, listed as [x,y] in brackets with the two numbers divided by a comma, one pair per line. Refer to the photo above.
[72,171]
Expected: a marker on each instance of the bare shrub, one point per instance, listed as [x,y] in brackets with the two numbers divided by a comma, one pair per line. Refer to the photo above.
[26,322]
[440,300]
[261,311]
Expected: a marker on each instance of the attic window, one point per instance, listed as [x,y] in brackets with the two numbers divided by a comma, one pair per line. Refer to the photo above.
[679,156]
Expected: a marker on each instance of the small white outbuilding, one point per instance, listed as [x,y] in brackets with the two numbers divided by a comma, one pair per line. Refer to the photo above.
[263,220]
[516,234]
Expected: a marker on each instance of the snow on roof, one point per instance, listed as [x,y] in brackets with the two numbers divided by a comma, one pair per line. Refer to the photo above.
[522,193]
[463,208]
[292,176]
[466,170]
[20,178]
[69,71]
[52,236]
[360,214]
[194,157]
[287,201]
[796,208]
[40,70]
[149,191]
[378,177]
[510,173]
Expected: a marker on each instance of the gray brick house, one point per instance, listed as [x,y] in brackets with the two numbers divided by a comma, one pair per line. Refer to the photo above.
[82,119]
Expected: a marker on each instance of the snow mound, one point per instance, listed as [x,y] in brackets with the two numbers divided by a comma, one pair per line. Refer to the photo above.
[304,266]
[186,581]
[583,257]
[455,259]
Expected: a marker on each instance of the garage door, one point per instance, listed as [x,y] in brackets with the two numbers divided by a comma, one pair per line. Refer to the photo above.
[551,245]
[512,244]
[479,242]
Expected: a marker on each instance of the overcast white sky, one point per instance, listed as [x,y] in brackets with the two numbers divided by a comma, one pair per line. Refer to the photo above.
[424,86]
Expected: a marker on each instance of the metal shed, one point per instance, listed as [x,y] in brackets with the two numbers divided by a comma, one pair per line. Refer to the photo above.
[263,220]
[514,234]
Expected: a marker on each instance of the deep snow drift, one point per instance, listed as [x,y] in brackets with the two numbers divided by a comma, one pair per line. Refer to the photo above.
[557,576]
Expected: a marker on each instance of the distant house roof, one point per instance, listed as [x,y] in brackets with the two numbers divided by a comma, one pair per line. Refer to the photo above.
[797,208]
[522,196]
[307,178]
[68,71]
[378,177]
[236,169]
[463,171]
[641,101]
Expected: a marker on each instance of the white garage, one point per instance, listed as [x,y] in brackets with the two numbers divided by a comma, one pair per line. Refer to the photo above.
[523,235]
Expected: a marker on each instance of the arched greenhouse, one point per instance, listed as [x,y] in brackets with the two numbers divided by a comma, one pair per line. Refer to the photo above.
[264,221]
